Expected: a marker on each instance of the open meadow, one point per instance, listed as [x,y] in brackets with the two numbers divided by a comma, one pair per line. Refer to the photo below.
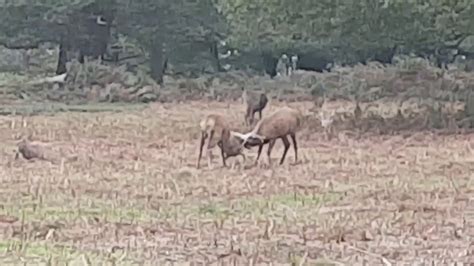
[124,190]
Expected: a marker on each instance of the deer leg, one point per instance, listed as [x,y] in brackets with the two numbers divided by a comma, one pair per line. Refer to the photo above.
[252,116]
[209,158]
[260,114]
[209,151]
[247,116]
[287,146]
[244,158]
[223,157]
[203,140]
[269,151]
[260,147]
[295,146]
[211,135]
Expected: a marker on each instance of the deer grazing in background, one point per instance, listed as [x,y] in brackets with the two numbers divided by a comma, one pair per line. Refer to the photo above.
[255,102]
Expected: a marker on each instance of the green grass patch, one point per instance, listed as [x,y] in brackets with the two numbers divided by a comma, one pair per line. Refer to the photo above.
[436,182]
[276,206]
[31,109]
[88,208]
[14,252]
[10,78]
[288,206]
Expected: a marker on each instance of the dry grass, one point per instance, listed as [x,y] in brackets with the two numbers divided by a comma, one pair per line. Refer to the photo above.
[133,195]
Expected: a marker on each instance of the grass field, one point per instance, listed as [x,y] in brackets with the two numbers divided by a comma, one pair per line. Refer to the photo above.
[134,197]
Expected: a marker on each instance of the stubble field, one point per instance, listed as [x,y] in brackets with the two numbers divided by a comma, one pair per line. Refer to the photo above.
[125,191]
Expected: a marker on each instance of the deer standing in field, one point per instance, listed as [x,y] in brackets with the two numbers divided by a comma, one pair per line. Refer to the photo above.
[216,130]
[279,125]
[255,102]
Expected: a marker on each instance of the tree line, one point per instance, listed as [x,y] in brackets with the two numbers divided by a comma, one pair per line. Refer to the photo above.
[190,34]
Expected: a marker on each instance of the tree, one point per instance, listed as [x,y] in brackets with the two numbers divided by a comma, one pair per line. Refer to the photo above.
[71,24]
[178,28]
[349,31]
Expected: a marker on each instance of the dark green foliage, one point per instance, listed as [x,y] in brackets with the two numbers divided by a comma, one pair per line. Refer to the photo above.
[355,30]
[29,23]
[185,31]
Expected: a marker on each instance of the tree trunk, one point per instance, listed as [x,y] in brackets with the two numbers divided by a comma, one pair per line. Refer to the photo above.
[215,55]
[81,56]
[157,62]
[269,63]
[62,59]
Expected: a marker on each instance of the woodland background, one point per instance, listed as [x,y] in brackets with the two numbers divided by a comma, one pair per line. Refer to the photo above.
[139,51]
